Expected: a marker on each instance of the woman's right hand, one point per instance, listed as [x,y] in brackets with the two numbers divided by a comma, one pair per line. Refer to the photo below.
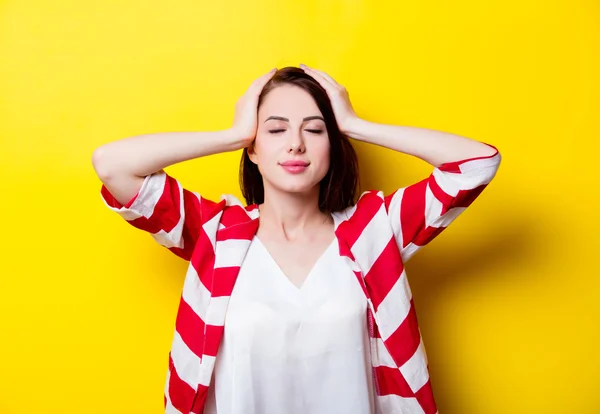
[245,121]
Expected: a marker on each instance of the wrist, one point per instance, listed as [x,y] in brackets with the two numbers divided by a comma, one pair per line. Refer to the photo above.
[354,128]
[236,140]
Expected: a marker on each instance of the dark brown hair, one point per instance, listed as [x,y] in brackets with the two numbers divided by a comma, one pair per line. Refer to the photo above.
[339,187]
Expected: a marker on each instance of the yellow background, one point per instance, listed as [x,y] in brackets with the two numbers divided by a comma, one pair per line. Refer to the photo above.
[508,297]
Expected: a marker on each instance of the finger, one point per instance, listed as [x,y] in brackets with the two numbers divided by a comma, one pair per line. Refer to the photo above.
[265,78]
[328,86]
[324,75]
[260,82]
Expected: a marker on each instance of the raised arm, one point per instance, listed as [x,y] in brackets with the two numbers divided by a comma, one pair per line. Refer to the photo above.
[136,186]
[434,147]
[462,170]
[123,164]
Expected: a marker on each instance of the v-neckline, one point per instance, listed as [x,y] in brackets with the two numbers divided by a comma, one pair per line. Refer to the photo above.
[310,272]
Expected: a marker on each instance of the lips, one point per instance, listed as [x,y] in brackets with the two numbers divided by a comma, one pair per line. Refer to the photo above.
[294,164]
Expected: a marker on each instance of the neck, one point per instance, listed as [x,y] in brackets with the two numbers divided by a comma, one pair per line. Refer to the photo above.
[293,216]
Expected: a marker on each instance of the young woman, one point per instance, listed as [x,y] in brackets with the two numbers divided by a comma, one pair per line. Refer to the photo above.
[307,309]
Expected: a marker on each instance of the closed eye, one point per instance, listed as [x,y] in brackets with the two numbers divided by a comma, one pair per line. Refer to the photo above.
[313,131]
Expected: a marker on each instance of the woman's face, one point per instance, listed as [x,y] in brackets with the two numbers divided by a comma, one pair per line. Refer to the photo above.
[291,147]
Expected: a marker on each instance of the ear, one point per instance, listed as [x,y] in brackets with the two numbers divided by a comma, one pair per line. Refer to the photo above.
[252,153]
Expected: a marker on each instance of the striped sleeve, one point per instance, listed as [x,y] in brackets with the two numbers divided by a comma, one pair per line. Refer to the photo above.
[421,211]
[171,214]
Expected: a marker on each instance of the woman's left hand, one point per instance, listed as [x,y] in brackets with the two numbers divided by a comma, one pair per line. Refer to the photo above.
[338,95]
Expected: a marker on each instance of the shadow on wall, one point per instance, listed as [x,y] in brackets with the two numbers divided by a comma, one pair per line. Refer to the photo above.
[507,242]
[433,272]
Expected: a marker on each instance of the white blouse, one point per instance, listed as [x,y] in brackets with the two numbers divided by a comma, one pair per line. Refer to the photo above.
[293,350]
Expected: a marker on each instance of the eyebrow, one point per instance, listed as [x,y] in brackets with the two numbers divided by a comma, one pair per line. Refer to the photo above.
[308,118]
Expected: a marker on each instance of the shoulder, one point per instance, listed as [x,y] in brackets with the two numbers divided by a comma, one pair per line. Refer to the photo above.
[234,211]
[367,205]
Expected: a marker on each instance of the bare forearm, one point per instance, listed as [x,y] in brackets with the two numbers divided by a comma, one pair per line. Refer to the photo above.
[434,147]
[145,154]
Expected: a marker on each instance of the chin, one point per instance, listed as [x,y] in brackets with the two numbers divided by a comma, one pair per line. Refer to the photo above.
[296,186]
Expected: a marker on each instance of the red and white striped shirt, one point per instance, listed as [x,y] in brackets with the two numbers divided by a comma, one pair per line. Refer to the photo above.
[376,237]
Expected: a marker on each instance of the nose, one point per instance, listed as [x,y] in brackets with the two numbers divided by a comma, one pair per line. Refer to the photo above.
[296,144]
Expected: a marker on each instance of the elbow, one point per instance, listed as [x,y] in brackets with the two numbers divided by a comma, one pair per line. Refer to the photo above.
[489,150]
[100,163]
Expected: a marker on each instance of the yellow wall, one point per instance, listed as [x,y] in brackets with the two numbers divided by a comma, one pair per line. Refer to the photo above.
[507,298]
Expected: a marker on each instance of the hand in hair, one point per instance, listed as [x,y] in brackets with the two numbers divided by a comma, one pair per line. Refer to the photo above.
[338,95]
[245,121]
